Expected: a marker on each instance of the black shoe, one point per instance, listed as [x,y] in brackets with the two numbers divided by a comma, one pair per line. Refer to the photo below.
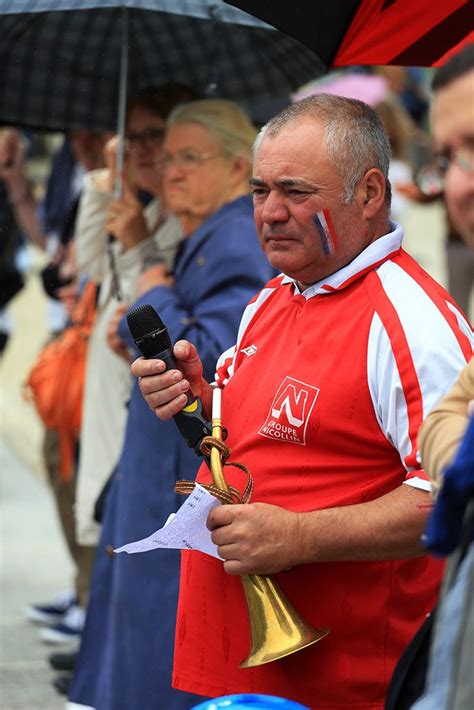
[63,661]
[62,683]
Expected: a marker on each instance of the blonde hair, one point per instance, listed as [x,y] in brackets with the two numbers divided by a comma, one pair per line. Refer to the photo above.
[225,121]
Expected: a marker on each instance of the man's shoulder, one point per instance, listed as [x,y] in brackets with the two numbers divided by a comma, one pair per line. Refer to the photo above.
[410,302]
[405,280]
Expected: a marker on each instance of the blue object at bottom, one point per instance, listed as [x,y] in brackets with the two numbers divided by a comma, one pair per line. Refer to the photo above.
[248,701]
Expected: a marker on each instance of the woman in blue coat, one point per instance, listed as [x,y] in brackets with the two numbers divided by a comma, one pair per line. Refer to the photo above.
[125,660]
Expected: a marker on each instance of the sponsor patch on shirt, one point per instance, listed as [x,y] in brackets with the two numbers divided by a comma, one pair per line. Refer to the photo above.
[251,350]
[290,410]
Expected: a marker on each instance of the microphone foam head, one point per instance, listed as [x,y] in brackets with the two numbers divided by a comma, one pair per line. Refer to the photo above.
[148,330]
[144,320]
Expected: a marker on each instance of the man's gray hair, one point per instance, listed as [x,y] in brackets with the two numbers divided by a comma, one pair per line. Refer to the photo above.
[355,137]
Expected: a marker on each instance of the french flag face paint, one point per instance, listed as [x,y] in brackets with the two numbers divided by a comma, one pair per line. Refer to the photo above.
[323,223]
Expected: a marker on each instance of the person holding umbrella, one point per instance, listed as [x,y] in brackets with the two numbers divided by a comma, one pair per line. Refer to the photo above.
[152,231]
[143,231]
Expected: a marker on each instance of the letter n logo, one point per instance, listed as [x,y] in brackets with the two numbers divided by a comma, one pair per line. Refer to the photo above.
[289,413]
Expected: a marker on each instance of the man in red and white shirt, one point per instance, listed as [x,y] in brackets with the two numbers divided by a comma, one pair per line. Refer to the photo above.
[338,360]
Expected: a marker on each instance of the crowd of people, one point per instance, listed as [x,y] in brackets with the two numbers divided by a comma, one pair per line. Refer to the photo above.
[275,258]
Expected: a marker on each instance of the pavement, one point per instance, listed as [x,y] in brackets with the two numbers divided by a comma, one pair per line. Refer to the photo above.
[33,558]
[34,567]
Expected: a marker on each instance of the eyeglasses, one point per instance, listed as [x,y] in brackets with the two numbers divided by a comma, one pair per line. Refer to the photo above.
[431,177]
[146,138]
[188,160]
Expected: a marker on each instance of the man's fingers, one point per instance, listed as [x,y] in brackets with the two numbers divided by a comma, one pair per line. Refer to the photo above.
[223,515]
[161,398]
[141,367]
[234,568]
[168,410]
[189,360]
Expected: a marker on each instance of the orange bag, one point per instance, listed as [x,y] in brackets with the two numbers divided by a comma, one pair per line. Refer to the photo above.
[55,383]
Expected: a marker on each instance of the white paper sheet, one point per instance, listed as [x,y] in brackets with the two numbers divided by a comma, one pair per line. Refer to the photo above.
[184,530]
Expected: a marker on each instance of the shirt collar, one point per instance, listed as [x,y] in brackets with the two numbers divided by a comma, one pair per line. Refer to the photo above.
[377,252]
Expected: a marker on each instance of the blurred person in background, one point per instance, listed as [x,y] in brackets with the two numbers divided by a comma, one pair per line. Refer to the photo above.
[142,230]
[49,223]
[125,658]
[11,279]
[449,683]
[409,85]
[452,118]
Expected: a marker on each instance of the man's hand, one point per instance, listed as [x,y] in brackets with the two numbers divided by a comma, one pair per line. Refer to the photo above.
[165,391]
[256,538]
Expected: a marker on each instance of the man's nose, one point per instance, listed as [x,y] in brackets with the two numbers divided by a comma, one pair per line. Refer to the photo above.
[274,209]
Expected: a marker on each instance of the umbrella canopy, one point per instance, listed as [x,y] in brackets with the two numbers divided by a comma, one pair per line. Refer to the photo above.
[348,32]
[60,59]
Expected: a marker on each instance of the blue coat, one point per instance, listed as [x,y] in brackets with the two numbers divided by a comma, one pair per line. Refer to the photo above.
[125,661]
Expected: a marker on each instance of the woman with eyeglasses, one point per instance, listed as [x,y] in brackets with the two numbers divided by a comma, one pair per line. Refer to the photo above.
[125,661]
[136,229]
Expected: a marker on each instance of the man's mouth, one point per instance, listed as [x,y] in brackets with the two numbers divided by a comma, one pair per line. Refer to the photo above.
[277,237]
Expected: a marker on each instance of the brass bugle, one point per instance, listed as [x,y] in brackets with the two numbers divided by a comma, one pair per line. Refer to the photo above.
[276,628]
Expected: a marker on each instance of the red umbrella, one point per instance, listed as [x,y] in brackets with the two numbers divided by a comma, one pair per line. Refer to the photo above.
[350,32]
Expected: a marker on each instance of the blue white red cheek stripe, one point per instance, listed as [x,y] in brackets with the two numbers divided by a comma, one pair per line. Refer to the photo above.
[323,223]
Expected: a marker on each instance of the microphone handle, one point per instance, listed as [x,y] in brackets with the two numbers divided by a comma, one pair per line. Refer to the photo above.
[190,420]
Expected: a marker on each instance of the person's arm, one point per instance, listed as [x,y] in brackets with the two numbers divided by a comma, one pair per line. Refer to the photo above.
[264,539]
[442,431]
[20,194]
[90,231]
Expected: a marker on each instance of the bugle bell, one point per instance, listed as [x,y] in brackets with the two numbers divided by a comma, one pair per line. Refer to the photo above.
[276,628]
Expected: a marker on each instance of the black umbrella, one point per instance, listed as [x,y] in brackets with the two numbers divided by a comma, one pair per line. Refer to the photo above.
[347,32]
[62,62]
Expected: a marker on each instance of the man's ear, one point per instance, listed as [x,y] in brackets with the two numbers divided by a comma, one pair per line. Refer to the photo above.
[372,192]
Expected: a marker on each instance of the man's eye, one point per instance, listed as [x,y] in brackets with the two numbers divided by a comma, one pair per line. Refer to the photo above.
[258,191]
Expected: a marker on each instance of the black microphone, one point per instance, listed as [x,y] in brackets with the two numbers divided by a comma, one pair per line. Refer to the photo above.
[152,339]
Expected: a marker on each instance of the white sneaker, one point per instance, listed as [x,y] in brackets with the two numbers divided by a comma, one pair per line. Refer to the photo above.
[70,628]
[52,612]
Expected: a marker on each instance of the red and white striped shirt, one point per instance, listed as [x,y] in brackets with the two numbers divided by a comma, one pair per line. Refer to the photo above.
[324,393]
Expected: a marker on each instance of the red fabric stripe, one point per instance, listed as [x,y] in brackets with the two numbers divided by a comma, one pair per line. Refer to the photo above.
[454,50]
[379,33]
[428,49]
[404,361]
[440,298]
